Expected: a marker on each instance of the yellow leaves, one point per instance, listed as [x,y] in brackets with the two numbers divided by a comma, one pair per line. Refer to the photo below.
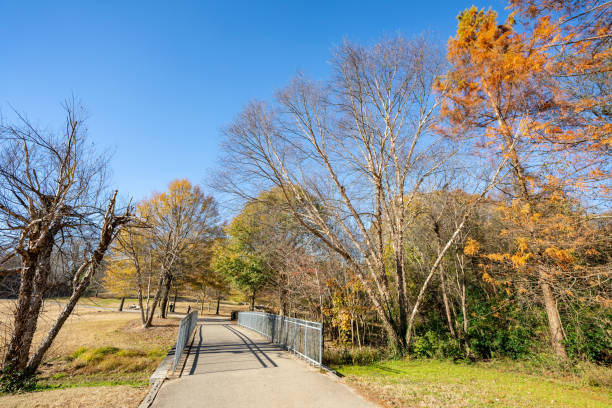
[471,247]
[487,278]
[561,256]
[521,244]
[519,260]
[498,257]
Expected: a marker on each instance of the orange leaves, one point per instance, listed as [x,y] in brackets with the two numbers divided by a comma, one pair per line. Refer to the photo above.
[560,256]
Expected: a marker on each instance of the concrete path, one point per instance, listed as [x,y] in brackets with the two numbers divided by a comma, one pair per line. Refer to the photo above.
[230,366]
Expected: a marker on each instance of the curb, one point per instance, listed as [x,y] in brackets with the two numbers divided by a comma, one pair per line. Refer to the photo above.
[331,371]
[148,400]
[161,372]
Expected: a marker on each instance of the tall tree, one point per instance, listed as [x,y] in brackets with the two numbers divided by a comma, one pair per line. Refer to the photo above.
[503,94]
[349,156]
[177,220]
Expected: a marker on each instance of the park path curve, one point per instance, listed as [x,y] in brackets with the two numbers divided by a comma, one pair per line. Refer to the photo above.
[230,366]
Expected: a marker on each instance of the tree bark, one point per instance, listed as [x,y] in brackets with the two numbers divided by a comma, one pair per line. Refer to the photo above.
[81,280]
[160,285]
[218,304]
[165,295]
[33,286]
[449,319]
[121,304]
[554,320]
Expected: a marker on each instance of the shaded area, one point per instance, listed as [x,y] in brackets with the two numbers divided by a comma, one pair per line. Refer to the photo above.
[219,346]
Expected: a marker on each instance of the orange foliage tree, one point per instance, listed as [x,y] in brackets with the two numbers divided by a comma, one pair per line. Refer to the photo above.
[505,94]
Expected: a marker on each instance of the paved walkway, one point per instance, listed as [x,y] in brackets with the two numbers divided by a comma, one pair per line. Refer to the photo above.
[230,366]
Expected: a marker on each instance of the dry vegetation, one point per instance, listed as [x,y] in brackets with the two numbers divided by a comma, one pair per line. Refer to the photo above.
[96,348]
[119,396]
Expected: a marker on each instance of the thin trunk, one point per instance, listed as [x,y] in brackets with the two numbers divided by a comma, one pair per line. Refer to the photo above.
[160,285]
[554,320]
[139,286]
[218,304]
[252,302]
[449,318]
[121,304]
[464,313]
[283,284]
[57,325]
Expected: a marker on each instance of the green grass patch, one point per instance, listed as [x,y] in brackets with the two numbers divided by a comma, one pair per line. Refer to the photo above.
[84,382]
[444,383]
[108,360]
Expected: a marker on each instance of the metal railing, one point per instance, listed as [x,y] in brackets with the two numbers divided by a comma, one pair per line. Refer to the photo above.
[188,323]
[303,337]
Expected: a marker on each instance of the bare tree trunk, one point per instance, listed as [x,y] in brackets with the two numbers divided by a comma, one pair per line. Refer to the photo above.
[121,304]
[139,292]
[464,313]
[174,300]
[165,295]
[160,285]
[446,305]
[283,292]
[31,293]
[81,280]
[148,297]
[252,302]
[554,320]
[218,304]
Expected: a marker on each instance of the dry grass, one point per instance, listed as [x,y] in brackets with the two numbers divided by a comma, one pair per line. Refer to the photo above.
[95,347]
[103,397]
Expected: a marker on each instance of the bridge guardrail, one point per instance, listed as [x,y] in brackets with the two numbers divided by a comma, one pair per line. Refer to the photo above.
[186,327]
[303,337]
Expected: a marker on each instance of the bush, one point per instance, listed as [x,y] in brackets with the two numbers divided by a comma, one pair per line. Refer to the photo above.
[12,381]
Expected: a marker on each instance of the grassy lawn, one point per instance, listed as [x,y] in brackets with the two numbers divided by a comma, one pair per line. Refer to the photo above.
[97,349]
[432,383]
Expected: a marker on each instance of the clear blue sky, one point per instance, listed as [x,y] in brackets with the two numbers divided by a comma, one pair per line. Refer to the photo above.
[160,79]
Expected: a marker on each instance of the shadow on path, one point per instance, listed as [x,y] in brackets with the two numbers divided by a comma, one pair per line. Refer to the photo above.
[218,347]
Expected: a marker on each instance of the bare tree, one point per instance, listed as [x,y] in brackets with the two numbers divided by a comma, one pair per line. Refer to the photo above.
[350,155]
[51,192]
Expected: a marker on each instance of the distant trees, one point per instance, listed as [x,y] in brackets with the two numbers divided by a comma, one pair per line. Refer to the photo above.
[51,200]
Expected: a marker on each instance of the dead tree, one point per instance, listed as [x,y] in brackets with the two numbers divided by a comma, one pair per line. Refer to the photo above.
[51,193]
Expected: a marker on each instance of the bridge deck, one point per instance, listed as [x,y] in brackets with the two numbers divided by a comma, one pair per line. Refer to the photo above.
[229,366]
